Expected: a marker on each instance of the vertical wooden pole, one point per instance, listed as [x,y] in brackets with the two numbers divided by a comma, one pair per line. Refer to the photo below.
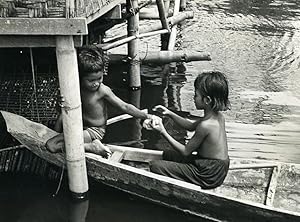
[164,38]
[72,116]
[133,46]
[172,39]
[173,34]
[136,127]
[162,14]
[182,5]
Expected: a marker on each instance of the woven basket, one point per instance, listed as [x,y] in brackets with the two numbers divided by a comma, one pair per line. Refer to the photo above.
[32,8]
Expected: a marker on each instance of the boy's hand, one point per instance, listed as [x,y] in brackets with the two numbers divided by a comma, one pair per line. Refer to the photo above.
[161,109]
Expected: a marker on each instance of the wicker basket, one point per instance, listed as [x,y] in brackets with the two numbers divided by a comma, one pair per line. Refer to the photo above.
[50,8]
[32,8]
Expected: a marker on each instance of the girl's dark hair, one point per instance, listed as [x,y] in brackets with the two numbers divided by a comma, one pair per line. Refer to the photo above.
[91,59]
[215,85]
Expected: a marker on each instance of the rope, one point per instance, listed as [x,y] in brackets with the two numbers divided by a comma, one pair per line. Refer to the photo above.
[60,179]
[34,84]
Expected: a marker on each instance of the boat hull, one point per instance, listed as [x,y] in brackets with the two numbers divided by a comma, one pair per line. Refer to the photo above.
[211,204]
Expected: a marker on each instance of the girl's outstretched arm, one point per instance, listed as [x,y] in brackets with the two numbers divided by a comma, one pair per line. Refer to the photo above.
[158,125]
[182,122]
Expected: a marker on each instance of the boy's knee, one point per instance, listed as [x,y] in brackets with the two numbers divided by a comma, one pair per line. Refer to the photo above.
[55,144]
[50,145]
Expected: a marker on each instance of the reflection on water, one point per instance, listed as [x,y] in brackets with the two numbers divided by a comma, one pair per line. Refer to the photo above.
[29,199]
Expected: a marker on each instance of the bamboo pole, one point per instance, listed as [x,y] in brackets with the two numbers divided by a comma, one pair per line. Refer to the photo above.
[162,57]
[182,5]
[173,34]
[130,38]
[133,46]
[157,26]
[162,14]
[164,38]
[72,116]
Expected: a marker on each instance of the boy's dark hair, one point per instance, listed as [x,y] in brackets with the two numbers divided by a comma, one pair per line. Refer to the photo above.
[91,59]
[215,85]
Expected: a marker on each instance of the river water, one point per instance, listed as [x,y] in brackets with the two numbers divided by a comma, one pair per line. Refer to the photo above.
[257,44]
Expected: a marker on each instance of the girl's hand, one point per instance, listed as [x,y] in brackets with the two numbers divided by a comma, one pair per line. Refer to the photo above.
[157,124]
[161,109]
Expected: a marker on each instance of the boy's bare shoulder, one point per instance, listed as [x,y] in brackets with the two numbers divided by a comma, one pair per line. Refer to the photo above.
[104,89]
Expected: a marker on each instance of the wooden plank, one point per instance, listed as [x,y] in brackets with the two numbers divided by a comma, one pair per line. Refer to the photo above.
[43,26]
[137,154]
[252,166]
[117,156]
[122,117]
[19,41]
[273,185]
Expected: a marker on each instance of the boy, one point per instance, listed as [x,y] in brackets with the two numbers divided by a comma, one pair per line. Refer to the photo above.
[94,98]
[209,167]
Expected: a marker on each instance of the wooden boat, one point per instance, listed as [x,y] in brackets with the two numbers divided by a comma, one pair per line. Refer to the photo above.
[253,190]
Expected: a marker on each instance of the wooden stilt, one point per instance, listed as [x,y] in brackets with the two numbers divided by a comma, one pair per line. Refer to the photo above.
[162,14]
[164,38]
[133,46]
[173,34]
[182,5]
[72,116]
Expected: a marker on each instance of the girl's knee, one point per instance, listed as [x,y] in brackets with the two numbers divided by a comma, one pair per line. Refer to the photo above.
[155,166]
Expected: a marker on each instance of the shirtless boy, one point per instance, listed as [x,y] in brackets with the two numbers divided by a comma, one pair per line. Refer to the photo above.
[94,98]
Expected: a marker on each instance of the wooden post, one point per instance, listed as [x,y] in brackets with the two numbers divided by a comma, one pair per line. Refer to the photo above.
[182,5]
[173,34]
[164,38]
[172,39]
[133,46]
[162,14]
[72,116]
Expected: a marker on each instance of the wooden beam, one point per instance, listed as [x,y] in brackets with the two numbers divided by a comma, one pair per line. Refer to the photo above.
[43,26]
[19,41]
[115,13]
[106,8]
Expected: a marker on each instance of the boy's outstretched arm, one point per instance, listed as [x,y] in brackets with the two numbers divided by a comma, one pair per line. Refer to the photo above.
[125,107]
[182,122]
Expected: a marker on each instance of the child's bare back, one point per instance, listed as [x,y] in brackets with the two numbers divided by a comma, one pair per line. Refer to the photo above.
[214,146]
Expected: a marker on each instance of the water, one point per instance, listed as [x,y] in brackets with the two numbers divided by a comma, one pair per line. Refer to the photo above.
[26,198]
[256,43]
